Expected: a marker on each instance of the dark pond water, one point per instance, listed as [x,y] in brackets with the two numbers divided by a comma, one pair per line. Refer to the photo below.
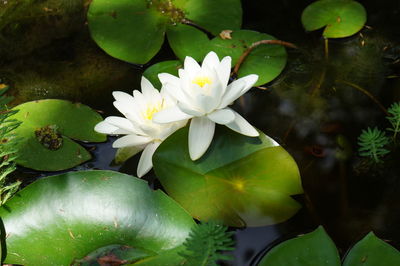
[315,109]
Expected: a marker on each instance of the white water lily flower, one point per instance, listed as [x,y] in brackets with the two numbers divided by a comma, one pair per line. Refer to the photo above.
[141,132]
[203,94]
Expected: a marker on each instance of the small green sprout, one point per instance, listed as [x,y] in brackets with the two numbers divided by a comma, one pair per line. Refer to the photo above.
[394,118]
[205,243]
[372,143]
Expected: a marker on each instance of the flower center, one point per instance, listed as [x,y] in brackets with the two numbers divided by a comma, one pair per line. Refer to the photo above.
[202,81]
[152,109]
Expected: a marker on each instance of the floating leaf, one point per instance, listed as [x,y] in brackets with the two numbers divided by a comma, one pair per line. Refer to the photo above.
[313,249]
[266,60]
[240,180]
[170,67]
[341,18]
[59,219]
[47,130]
[372,251]
[134,31]
[188,41]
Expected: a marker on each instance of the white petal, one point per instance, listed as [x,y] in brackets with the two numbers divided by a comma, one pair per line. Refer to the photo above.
[140,100]
[201,132]
[168,78]
[189,110]
[145,161]
[224,70]
[233,91]
[122,123]
[249,80]
[105,128]
[169,115]
[191,66]
[210,61]
[122,96]
[176,93]
[241,126]
[149,92]
[131,140]
[222,116]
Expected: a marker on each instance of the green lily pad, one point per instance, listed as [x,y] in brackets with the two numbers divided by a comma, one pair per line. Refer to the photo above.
[371,251]
[240,180]
[313,249]
[47,130]
[188,41]
[133,31]
[266,60]
[341,18]
[59,219]
[171,67]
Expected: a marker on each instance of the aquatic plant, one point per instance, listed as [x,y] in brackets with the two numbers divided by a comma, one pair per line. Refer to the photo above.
[205,243]
[7,147]
[319,249]
[372,143]
[141,133]
[394,118]
[203,94]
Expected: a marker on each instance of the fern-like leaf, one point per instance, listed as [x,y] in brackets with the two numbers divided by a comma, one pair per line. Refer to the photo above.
[205,243]
[372,143]
[7,148]
[394,118]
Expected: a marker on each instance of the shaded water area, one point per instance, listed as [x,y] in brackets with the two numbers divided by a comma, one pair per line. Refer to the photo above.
[315,109]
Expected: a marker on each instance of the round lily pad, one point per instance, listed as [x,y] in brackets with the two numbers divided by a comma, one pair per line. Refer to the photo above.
[47,132]
[59,220]
[266,60]
[312,249]
[133,31]
[171,67]
[241,181]
[371,251]
[341,18]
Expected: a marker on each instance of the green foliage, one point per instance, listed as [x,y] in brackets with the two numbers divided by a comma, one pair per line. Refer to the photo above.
[69,216]
[8,150]
[372,144]
[372,251]
[240,180]
[317,249]
[49,128]
[205,243]
[341,18]
[134,31]
[171,67]
[394,118]
[312,249]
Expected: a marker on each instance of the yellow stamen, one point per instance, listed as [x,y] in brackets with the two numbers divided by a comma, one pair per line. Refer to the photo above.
[202,81]
[152,109]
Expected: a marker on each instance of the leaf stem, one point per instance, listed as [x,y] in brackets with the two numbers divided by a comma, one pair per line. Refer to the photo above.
[191,23]
[367,93]
[254,45]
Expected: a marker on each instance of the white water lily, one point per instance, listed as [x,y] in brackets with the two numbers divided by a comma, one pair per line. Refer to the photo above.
[203,94]
[141,132]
